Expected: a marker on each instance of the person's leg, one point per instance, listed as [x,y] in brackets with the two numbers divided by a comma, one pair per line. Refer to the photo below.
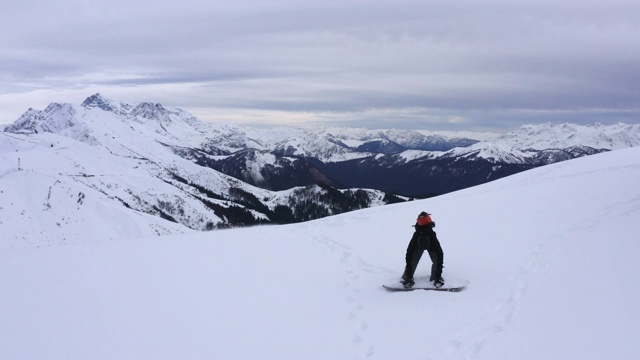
[412,259]
[437,258]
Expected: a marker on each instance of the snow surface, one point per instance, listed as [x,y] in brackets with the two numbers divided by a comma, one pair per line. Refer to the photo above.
[551,256]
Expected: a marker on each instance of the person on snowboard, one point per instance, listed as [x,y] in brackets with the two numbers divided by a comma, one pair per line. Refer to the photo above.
[424,238]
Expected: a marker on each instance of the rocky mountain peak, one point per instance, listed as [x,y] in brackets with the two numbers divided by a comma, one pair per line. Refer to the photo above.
[97,100]
[54,117]
[150,111]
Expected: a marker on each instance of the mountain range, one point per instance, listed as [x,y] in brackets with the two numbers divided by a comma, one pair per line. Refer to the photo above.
[162,161]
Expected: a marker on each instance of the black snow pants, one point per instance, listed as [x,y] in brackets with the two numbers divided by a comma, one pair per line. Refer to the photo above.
[415,251]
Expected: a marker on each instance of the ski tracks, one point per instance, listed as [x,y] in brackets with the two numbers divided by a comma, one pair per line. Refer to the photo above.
[468,343]
[354,267]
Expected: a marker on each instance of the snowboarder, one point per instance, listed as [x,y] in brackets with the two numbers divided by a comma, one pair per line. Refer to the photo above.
[424,238]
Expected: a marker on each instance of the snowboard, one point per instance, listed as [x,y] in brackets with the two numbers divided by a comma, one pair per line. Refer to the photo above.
[425,284]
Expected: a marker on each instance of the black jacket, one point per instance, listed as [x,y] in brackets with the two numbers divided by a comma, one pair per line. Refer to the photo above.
[424,237]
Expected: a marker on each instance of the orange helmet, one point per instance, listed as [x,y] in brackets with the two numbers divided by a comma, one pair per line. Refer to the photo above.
[424,219]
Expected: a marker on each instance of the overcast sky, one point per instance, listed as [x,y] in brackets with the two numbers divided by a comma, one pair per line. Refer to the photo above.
[435,65]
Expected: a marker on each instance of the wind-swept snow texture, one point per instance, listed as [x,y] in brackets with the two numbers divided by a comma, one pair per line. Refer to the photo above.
[551,255]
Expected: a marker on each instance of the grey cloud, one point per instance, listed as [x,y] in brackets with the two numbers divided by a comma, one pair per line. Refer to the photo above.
[495,63]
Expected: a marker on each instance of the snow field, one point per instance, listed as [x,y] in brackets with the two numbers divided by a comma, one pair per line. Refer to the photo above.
[550,255]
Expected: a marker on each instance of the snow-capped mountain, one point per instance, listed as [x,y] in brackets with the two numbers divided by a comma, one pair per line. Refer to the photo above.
[550,136]
[131,155]
[165,162]
[56,118]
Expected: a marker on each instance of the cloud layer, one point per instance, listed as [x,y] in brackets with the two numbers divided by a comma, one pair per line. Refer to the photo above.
[412,64]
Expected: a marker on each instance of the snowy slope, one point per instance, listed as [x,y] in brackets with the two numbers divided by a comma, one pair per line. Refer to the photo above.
[551,255]
[57,196]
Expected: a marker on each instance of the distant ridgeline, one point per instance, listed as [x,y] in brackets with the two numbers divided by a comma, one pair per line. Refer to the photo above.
[210,175]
